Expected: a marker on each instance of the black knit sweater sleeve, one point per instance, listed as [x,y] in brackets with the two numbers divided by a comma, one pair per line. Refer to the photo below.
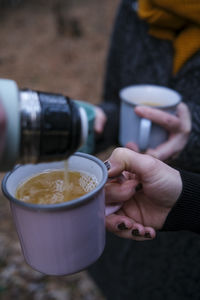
[185,215]
[187,82]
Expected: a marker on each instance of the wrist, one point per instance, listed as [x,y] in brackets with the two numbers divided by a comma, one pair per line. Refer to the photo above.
[185,215]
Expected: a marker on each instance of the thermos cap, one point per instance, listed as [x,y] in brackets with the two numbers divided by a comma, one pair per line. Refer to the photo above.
[39,126]
[9,98]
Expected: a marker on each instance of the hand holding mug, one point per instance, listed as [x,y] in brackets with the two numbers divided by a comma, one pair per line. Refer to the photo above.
[143,211]
[148,132]
[178,127]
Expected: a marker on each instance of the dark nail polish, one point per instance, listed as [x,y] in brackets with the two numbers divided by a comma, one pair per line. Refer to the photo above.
[138,187]
[147,235]
[135,232]
[107,164]
[122,226]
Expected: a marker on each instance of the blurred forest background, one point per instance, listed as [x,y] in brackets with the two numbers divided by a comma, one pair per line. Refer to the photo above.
[56,46]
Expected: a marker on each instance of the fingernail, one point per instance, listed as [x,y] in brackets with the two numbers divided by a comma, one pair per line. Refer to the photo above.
[107,164]
[135,232]
[147,235]
[122,226]
[138,187]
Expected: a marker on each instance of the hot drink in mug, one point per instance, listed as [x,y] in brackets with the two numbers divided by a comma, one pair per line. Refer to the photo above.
[53,187]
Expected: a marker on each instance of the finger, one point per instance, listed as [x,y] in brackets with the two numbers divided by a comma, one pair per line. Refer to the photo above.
[138,233]
[166,150]
[123,159]
[116,192]
[132,146]
[125,227]
[100,120]
[150,232]
[182,110]
[164,119]
[185,118]
[116,223]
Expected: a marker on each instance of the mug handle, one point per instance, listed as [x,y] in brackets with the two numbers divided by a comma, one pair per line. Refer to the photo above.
[144,133]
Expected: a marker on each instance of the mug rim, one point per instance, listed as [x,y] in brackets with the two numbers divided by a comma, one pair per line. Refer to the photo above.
[122,90]
[59,206]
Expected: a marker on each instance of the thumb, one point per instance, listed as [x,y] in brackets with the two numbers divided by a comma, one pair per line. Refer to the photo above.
[123,159]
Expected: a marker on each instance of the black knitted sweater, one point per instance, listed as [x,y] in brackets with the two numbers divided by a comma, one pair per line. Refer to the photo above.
[167,267]
[135,57]
[185,215]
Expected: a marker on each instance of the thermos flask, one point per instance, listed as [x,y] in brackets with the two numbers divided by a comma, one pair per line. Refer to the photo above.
[39,126]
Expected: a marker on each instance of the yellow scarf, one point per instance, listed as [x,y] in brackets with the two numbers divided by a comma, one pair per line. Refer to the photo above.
[175,20]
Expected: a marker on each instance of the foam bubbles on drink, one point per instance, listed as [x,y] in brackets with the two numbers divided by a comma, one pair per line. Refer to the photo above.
[56,186]
[88,182]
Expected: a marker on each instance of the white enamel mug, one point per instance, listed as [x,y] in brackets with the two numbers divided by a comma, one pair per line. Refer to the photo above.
[140,130]
[60,239]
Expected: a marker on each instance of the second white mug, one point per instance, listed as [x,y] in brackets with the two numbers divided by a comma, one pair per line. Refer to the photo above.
[140,130]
